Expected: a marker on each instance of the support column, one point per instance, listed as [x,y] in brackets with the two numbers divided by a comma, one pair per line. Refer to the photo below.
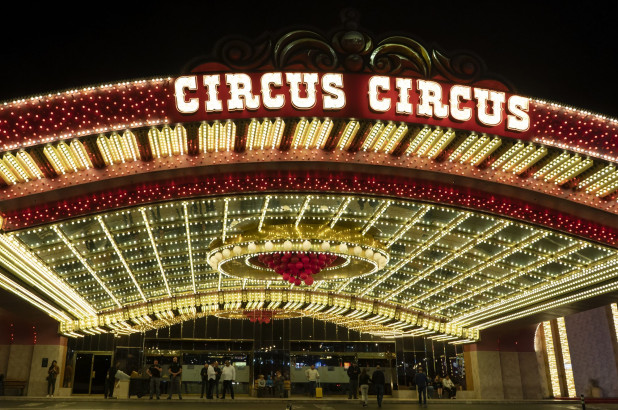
[486,374]
[37,383]
[503,365]
[27,336]
[591,344]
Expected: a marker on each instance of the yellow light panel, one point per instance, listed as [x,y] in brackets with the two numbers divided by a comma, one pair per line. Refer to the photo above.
[566,357]
[29,165]
[551,358]
[348,134]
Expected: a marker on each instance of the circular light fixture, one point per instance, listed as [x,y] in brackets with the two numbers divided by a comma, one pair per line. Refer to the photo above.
[299,254]
[259,315]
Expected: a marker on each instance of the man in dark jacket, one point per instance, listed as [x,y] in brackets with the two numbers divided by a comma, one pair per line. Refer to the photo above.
[204,375]
[218,373]
[175,371]
[110,381]
[154,372]
[353,373]
[378,379]
[420,379]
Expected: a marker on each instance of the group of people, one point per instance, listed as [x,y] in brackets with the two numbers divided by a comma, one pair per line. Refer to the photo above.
[362,378]
[444,384]
[440,385]
[278,386]
[211,375]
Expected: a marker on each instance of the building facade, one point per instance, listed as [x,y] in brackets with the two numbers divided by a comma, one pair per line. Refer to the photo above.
[311,199]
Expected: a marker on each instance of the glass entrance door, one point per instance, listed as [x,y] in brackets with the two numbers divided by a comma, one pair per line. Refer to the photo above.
[83,368]
[90,373]
[100,365]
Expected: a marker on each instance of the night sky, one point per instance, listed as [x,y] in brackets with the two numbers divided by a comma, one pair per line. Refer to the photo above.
[544,48]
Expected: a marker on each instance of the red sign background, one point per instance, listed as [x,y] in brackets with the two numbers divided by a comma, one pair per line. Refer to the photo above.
[356,88]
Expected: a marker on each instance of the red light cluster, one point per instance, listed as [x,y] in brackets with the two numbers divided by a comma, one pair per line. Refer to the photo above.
[151,102]
[260,316]
[587,133]
[83,112]
[297,267]
[299,181]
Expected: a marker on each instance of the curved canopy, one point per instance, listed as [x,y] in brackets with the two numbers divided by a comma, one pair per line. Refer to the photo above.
[446,265]
[418,195]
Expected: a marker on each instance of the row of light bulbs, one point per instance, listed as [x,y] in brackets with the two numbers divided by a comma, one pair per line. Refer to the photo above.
[217,257]
[256,197]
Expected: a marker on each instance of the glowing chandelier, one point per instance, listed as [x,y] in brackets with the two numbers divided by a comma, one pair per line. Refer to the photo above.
[297,267]
[299,254]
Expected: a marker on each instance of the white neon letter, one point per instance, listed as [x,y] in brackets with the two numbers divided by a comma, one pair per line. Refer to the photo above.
[186,82]
[379,84]
[518,118]
[332,86]
[311,81]
[458,93]
[430,101]
[213,103]
[497,102]
[240,93]
[403,106]
[269,80]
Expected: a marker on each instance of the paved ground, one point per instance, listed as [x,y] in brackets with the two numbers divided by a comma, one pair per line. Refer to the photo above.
[251,404]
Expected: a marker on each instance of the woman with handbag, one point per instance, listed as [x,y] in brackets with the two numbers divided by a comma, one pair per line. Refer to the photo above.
[52,373]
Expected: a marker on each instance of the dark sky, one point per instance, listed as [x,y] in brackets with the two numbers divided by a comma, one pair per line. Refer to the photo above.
[546,49]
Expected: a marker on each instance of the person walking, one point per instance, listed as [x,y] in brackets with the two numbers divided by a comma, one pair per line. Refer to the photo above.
[363,380]
[228,374]
[312,379]
[204,375]
[420,379]
[154,372]
[378,380]
[353,373]
[175,371]
[110,381]
[52,374]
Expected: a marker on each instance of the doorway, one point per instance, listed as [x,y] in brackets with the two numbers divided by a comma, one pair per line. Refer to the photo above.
[90,373]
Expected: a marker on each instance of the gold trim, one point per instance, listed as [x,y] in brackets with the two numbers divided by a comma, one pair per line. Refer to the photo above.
[276,314]
[230,257]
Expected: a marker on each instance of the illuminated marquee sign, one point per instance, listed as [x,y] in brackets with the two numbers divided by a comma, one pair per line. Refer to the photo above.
[213,96]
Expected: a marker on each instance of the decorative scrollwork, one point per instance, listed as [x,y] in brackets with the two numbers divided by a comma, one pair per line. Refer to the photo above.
[354,45]
[306,48]
[462,68]
[349,49]
[396,55]
[241,54]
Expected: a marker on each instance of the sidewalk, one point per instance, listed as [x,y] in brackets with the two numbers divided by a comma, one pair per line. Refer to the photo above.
[296,399]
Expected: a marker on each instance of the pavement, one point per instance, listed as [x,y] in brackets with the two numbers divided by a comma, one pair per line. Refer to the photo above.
[250,403]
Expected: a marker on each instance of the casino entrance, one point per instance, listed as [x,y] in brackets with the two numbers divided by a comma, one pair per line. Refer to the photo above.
[90,372]
[409,211]
[288,345]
